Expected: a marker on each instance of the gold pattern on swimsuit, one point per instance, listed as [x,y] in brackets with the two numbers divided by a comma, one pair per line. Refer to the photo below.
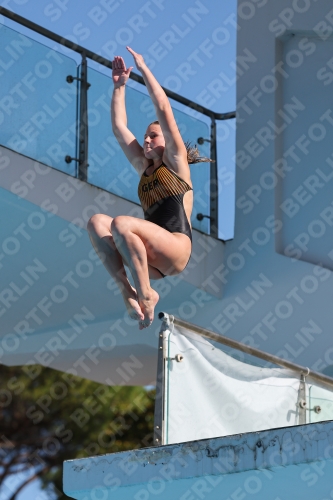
[161,184]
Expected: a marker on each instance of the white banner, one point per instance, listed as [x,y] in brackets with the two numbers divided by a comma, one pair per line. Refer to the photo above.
[210,394]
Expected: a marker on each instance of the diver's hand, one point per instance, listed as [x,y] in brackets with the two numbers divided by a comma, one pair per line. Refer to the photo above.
[138,59]
[120,74]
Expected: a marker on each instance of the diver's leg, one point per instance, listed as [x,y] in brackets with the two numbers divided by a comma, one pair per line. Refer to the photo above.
[99,229]
[142,243]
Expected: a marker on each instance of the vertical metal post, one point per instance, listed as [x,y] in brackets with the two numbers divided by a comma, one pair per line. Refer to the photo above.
[159,438]
[302,401]
[213,182]
[83,124]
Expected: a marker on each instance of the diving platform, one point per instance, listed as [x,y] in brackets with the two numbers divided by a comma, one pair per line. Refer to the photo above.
[294,462]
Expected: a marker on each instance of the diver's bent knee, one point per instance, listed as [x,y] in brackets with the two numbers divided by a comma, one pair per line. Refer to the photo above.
[92,222]
[120,225]
[95,222]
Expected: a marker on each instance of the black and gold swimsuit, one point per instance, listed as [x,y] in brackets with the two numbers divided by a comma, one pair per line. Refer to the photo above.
[161,195]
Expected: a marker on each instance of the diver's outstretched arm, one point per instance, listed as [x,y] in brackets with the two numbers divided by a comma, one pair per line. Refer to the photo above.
[175,151]
[124,136]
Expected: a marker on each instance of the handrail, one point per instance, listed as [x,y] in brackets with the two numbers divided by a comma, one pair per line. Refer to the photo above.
[221,339]
[106,62]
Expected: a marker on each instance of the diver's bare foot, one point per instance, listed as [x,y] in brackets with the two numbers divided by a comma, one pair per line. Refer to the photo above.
[132,305]
[147,305]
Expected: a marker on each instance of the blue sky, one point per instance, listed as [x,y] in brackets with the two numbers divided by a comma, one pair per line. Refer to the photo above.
[190,45]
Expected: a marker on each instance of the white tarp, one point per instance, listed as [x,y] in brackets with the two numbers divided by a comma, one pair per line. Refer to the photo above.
[211,394]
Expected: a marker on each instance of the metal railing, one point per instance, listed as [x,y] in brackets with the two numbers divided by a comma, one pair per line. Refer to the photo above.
[253,351]
[83,127]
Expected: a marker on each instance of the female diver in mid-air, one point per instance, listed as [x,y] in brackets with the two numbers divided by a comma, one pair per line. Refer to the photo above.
[161,244]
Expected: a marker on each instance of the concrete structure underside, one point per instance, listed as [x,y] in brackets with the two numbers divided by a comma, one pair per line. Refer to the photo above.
[58,305]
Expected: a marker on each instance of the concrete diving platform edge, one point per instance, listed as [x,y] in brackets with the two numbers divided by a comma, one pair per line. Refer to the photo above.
[276,464]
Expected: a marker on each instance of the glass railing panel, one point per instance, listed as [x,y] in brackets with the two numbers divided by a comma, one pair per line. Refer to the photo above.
[320,404]
[37,105]
[191,129]
[226,149]
[108,166]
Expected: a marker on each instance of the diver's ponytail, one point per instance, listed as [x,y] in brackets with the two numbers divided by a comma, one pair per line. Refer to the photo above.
[193,154]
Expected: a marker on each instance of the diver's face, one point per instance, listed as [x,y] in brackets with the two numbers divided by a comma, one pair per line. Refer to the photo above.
[154,142]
